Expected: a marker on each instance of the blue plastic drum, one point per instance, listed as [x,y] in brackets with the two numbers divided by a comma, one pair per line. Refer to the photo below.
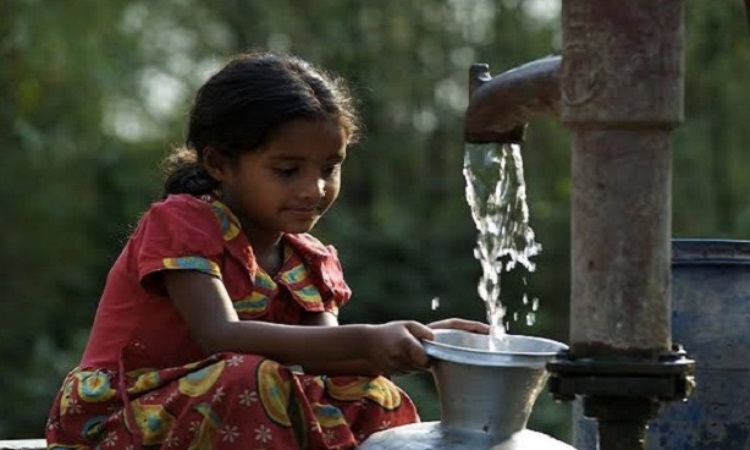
[711,319]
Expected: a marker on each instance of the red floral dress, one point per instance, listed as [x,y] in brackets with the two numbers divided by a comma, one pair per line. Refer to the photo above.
[143,381]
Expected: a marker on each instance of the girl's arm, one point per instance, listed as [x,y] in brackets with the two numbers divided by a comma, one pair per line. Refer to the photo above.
[204,304]
[354,367]
[363,366]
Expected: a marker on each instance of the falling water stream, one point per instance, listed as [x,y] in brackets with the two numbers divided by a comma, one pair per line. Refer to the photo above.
[496,194]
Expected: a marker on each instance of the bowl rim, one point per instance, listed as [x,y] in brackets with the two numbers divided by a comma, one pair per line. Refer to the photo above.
[465,355]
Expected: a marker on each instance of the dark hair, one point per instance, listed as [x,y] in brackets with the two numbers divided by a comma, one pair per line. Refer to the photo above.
[240,105]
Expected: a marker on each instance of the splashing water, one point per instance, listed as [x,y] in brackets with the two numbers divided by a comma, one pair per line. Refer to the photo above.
[496,194]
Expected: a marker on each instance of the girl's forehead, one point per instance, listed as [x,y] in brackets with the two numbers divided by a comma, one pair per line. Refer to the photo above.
[300,138]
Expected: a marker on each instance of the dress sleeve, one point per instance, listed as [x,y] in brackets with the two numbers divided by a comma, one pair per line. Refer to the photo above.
[180,233]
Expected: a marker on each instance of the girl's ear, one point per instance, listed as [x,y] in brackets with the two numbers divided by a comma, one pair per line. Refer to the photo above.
[215,164]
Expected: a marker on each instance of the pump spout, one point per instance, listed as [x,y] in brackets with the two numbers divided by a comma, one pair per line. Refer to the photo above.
[499,107]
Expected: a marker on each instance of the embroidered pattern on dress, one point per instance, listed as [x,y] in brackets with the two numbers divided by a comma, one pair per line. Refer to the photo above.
[296,278]
[230,225]
[193,263]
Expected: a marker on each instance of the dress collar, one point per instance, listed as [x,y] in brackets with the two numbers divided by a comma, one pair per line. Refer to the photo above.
[304,244]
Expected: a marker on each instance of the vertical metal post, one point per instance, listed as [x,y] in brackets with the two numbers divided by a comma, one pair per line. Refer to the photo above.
[621,96]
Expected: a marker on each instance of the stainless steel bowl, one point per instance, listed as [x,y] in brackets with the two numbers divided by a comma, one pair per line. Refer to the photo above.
[476,349]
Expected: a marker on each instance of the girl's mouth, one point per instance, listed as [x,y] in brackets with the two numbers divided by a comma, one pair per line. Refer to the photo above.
[303,212]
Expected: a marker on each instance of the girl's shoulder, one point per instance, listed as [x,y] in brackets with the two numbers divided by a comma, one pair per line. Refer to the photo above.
[183,202]
[179,205]
[193,211]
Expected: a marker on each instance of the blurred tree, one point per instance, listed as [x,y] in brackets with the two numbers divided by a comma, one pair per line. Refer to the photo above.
[62,187]
[710,157]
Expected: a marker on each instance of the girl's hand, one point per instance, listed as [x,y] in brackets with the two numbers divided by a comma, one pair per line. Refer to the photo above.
[461,324]
[395,347]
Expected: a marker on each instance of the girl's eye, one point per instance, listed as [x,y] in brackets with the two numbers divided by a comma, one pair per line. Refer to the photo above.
[332,170]
[285,172]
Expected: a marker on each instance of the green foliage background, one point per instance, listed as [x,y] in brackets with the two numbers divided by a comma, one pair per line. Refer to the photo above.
[93,94]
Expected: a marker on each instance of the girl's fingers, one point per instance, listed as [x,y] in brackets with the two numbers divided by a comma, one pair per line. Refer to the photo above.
[418,357]
[415,352]
[420,331]
[461,324]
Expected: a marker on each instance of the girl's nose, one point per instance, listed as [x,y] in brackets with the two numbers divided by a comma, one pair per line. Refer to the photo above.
[321,187]
[314,189]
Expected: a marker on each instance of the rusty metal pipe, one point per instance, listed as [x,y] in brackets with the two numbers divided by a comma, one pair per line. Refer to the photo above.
[499,107]
[622,94]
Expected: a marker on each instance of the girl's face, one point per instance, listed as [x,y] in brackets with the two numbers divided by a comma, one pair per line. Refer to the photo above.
[289,183]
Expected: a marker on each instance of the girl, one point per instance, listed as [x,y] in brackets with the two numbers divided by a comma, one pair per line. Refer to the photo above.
[220,290]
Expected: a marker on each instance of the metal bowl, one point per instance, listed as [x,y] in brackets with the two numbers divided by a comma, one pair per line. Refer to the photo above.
[478,349]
